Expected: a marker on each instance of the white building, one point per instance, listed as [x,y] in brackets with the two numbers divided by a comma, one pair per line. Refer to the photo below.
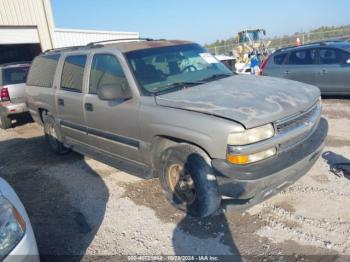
[27,27]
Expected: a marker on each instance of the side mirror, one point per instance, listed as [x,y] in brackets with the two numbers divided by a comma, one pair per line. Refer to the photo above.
[110,92]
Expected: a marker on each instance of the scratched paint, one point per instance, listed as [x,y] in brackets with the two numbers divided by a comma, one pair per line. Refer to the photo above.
[250,100]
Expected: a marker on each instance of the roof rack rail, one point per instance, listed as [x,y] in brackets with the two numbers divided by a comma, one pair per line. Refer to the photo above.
[120,39]
[71,48]
[92,45]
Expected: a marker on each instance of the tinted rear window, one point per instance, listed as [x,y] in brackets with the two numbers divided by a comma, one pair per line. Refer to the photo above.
[42,71]
[279,59]
[14,75]
[73,73]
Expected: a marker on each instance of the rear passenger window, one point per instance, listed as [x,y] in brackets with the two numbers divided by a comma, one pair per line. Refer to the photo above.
[303,57]
[279,59]
[43,69]
[106,70]
[329,56]
[14,75]
[73,73]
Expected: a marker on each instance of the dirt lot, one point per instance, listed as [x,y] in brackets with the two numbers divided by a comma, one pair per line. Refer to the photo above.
[79,206]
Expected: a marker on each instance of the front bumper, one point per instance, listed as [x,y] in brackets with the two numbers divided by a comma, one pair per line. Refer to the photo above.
[8,108]
[26,250]
[250,184]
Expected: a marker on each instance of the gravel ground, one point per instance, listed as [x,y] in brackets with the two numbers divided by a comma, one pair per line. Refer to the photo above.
[81,207]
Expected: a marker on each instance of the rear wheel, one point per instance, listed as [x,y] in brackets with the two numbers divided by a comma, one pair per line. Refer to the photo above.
[189,181]
[53,135]
[5,122]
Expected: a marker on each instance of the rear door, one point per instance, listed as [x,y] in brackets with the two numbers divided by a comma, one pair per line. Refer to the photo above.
[69,98]
[112,125]
[276,65]
[14,79]
[333,72]
[302,65]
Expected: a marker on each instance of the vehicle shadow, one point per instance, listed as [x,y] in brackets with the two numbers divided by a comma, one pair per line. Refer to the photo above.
[210,236]
[64,198]
[22,120]
[338,165]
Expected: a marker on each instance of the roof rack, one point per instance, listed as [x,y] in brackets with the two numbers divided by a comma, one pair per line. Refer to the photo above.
[117,40]
[93,45]
[69,48]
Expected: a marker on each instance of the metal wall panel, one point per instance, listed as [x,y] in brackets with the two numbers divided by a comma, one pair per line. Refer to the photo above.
[70,37]
[37,14]
[29,13]
[19,35]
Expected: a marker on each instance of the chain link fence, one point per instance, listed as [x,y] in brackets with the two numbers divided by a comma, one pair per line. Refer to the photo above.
[279,42]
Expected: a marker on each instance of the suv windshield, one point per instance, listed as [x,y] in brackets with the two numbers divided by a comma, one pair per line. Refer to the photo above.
[166,68]
[15,75]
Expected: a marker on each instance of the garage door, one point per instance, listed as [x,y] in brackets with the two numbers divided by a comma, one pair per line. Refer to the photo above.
[18,35]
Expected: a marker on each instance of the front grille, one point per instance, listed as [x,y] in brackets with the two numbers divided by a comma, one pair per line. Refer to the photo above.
[295,122]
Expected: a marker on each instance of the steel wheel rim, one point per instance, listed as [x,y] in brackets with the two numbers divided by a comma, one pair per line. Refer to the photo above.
[181,183]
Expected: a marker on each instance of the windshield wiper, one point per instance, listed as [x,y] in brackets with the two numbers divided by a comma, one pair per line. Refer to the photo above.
[176,85]
[215,77]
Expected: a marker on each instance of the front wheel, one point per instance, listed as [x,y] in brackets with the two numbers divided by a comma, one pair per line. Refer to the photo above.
[189,181]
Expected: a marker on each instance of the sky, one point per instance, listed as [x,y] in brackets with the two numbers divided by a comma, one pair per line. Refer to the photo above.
[203,21]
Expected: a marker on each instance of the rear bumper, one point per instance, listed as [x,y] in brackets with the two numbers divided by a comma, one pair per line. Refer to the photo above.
[7,108]
[251,184]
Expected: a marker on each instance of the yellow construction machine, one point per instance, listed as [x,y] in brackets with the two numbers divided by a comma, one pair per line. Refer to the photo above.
[251,50]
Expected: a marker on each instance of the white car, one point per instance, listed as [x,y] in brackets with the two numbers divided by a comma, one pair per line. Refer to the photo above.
[229,61]
[17,241]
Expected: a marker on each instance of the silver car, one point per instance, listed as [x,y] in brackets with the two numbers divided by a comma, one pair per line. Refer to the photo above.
[170,109]
[12,92]
[325,65]
[17,241]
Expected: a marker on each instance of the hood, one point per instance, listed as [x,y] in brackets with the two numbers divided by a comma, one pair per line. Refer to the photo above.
[250,100]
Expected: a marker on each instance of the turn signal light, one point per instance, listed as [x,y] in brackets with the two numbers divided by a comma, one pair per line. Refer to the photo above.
[247,159]
[238,159]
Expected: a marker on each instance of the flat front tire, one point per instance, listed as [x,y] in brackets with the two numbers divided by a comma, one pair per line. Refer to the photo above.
[53,135]
[189,181]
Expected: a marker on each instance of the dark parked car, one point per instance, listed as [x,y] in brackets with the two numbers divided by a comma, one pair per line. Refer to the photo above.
[325,65]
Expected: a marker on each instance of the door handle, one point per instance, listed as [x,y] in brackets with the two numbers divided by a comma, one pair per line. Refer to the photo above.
[89,107]
[286,72]
[60,101]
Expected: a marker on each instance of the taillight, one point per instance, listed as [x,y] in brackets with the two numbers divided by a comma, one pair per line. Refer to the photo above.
[263,65]
[4,94]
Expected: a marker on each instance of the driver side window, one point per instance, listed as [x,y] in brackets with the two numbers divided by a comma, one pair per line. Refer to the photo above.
[106,70]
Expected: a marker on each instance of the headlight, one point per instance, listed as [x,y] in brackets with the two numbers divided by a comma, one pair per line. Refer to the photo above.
[12,227]
[250,136]
[247,159]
